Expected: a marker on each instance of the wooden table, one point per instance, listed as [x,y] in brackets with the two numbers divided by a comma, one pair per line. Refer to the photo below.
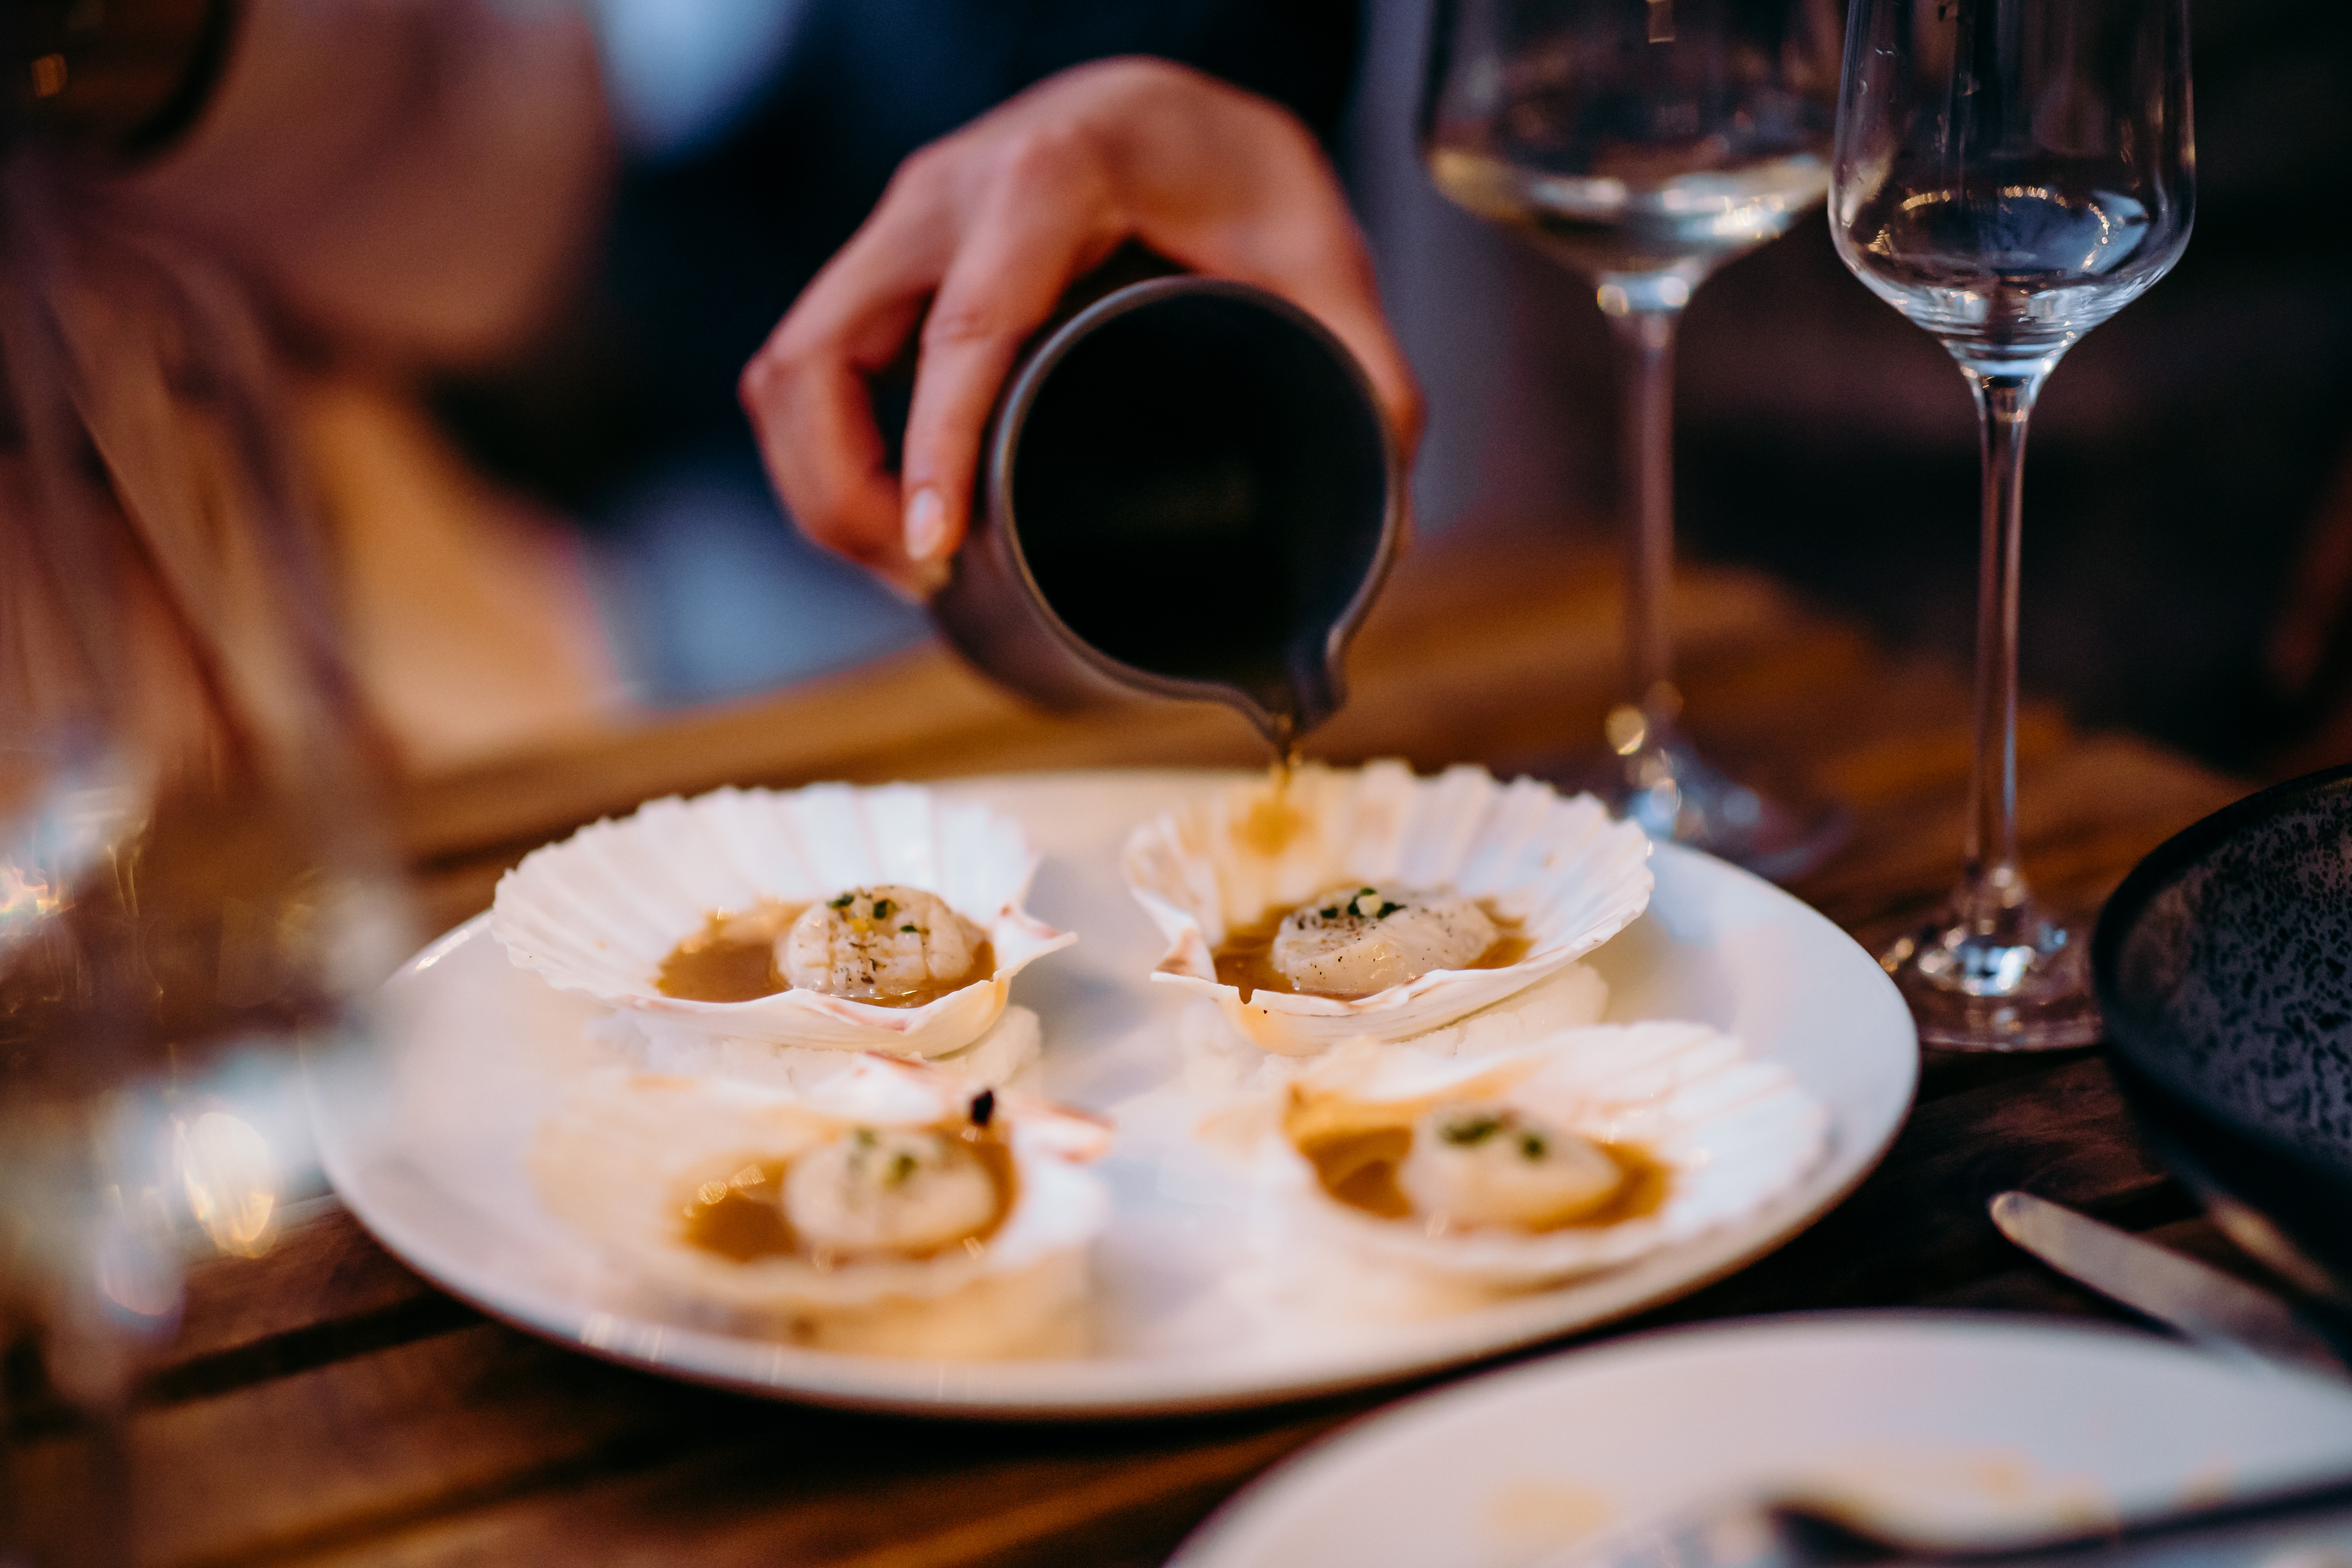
[324,1406]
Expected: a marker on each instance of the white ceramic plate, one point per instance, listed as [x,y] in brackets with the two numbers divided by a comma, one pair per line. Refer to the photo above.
[1961,1427]
[426,1140]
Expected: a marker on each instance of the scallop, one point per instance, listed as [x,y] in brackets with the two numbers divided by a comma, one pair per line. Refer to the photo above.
[887,1212]
[1352,942]
[877,944]
[1478,1165]
[888,1191]
[599,913]
[1554,868]
[1004,1057]
[1474,1177]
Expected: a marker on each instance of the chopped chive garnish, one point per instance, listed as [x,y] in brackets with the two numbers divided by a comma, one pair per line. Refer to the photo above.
[1471,1131]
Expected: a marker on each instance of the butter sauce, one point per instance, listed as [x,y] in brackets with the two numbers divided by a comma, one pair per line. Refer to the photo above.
[743,1218]
[1271,823]
[732,958]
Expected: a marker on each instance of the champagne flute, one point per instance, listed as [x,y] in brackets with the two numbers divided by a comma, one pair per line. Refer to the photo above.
[2009,175]
[1644,144]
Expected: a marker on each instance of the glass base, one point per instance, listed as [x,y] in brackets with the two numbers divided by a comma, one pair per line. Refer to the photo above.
[2017,981]
[1676,794]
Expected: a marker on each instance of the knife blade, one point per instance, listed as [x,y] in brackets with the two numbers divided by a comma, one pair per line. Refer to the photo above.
[2192,1298]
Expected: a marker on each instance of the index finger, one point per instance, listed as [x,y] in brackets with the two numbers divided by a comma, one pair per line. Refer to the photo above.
[806,390]
[1046,221]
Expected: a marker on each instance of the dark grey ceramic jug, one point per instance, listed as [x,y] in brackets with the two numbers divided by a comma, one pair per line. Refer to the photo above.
[1188,490]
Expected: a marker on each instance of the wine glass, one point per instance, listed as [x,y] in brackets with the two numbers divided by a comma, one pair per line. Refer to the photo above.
[1644,144]
[2009,175]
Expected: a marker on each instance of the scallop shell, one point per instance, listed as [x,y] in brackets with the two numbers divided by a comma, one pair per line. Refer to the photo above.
[624,1149]
[1557,863]
[1733,1134]
[598,912]
[1003,1058]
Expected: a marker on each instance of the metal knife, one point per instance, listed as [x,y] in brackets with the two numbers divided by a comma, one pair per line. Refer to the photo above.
[2188,1297]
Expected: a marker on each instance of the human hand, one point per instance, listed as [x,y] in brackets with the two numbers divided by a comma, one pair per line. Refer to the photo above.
[986,228]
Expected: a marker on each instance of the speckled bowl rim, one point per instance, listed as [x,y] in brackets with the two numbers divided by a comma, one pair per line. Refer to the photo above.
[2235,1163]
[2132,1034]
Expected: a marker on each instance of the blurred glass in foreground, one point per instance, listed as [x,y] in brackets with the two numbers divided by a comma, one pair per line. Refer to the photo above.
[194,895]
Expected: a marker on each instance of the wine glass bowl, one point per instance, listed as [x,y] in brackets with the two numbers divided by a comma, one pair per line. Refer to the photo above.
[2008,175]
[1640,141]
[1645,241]
[2008,179]
[1641,145]
[2009,278]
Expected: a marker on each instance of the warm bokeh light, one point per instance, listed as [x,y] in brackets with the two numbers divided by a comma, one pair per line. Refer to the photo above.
[134,1276]
[231,1178]
[26,896]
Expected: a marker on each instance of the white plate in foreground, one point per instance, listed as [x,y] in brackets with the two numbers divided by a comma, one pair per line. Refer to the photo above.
[426,1141]
[1962,1428]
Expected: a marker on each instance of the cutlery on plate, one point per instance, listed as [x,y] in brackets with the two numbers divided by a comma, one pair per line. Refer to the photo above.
[2194,1299]
[2308,1526]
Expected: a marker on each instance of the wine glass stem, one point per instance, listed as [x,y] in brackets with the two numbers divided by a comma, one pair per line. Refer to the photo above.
[1993,885]
[1645,345]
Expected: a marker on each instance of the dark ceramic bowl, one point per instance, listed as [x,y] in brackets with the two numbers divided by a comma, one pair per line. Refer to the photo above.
[2224,968]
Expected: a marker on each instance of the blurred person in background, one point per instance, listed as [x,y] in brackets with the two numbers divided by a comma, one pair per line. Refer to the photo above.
[230,234]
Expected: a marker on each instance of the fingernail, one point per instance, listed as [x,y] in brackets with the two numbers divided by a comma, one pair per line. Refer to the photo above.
[927,524]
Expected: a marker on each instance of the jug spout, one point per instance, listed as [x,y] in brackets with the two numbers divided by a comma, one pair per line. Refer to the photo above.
[1286,704]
